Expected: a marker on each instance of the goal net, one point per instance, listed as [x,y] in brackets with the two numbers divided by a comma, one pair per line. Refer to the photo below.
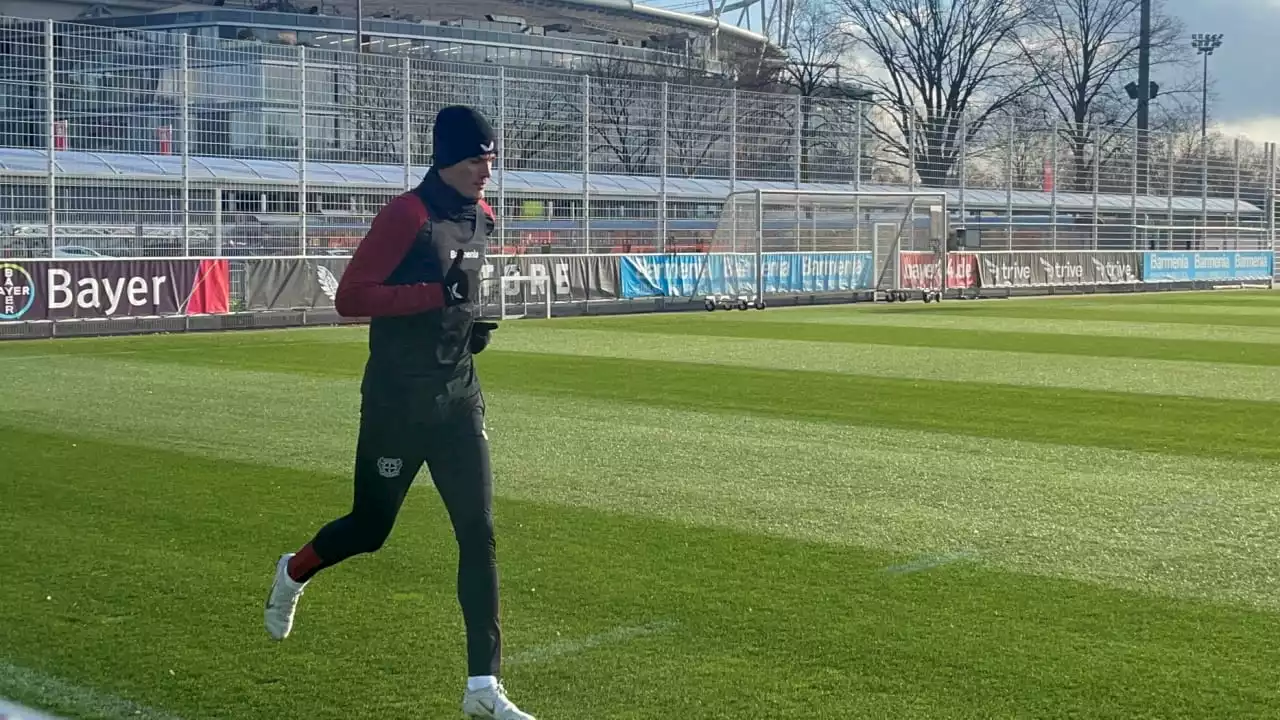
[511,295]
[779,243]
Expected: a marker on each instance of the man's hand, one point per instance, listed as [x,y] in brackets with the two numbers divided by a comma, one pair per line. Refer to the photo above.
[457,286]
[480,335]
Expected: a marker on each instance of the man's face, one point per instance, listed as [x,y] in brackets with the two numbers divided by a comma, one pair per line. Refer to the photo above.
[469,177]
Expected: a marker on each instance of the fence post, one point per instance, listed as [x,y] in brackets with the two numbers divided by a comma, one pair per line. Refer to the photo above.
[857,141]
[1097,182]
[799,169]
[185,63]
[302,149]
[1008,182]
[586,164]
[857,177]
[52,130]
[733,141]
[1053,188]
[759,250]
[662,168]
[217,221]
[1269,206]
[798,139]
[1236,194]
[407,119]
[1172,191]
[1133,192]
[732,205]
[1204,190]
[911,152]
[502,162]
[964,164]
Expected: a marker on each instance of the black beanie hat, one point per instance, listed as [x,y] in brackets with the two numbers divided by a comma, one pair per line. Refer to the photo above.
[461,133]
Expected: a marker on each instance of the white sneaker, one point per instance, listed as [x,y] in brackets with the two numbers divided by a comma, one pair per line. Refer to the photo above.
[491,702]
[282,601]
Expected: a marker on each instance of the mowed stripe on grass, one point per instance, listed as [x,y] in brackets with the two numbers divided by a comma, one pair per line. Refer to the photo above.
[772,627]
[1251,315]
[752,508]
[914,317]
[1054,509]
[1127,421]
[1044,341]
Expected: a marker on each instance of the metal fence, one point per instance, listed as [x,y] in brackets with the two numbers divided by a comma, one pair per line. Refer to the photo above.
[127,142]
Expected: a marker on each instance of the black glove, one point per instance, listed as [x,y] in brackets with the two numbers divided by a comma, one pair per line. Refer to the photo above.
[480,335]
[457,286]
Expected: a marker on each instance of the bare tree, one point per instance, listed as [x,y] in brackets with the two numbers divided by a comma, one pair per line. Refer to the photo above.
[946,67]
[372,89]
[829,109]
[631,106]
[625,112]
[1082,53]
[542,119]
[698,129]
[815,52]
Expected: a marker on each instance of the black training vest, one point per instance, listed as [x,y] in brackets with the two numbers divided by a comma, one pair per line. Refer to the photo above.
[429,352]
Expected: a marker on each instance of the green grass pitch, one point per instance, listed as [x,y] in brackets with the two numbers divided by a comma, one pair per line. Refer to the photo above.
[1048,508]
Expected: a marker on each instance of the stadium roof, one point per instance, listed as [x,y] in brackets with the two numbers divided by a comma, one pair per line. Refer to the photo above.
[126,166]
[588,20]
[618,16]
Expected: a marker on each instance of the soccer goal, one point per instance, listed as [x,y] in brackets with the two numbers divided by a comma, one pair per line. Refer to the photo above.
[886,245]
[515,296]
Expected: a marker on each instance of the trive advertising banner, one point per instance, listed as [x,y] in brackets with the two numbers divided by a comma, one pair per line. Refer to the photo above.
[1057,269]
[701,274]
[1207,265]
[95,289]
[312,283]
[918,270]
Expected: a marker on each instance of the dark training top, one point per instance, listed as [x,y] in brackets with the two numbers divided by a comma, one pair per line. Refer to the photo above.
[417,344]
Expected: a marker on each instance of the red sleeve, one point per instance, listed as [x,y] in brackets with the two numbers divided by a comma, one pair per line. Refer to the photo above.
[362,292]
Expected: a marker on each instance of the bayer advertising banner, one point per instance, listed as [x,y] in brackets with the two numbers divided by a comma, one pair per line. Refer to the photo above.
[697,275]
[1170,266]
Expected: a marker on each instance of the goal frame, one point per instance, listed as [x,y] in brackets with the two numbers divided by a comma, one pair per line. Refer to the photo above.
[503,281]
[935,200]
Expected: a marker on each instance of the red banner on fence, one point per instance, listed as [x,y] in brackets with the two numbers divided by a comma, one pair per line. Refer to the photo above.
[54,290]
[962,271]
[212,292]
[919,270]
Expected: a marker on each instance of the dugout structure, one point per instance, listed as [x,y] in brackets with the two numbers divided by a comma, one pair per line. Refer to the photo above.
[851,242]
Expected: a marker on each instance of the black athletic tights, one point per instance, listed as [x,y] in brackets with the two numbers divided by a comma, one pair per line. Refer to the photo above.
[452,443]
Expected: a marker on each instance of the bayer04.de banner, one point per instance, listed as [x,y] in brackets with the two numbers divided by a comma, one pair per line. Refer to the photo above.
[699,274]
[1190,266]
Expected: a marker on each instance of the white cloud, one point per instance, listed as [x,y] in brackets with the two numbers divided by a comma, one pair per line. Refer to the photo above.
[1259,129]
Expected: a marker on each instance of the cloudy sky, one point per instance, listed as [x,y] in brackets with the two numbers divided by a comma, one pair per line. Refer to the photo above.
[1245,71]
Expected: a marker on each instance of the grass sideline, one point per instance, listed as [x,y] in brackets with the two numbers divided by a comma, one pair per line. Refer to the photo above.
[1040,509]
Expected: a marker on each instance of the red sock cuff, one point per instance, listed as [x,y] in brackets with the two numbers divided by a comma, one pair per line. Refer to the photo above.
[303,563]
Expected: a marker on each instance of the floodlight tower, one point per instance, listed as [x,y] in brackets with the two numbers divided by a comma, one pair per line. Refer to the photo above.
[1205,44]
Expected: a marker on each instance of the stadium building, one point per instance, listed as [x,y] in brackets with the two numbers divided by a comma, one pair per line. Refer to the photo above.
[577,35]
